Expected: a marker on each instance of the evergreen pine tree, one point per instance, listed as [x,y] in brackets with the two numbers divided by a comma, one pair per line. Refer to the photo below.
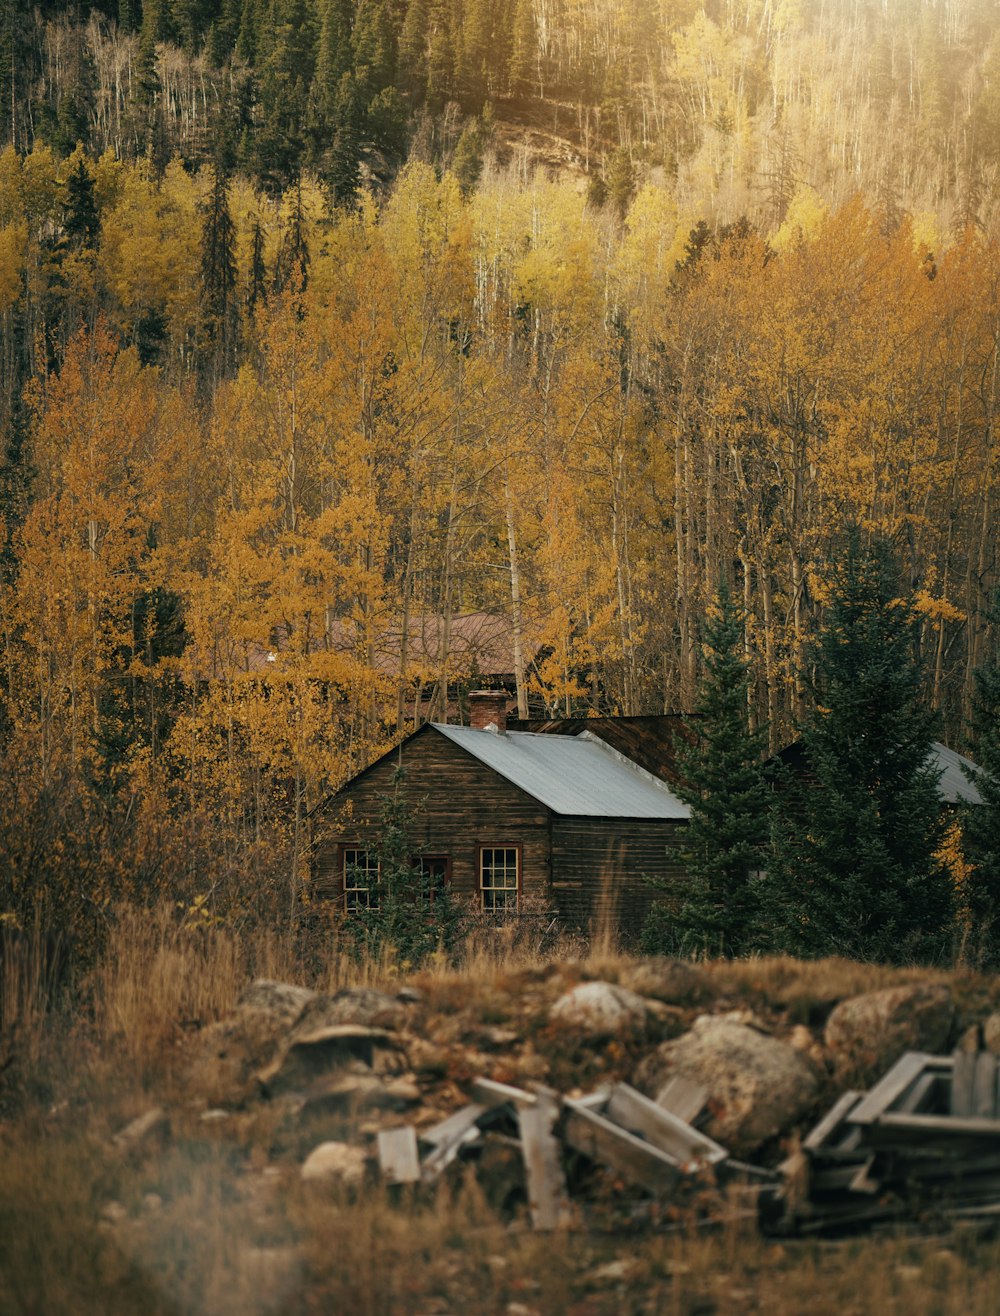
[373,43]
[220,314]
[855,868]
[257,283]
[981,822]
[524,50]
[722,781]
[81,222]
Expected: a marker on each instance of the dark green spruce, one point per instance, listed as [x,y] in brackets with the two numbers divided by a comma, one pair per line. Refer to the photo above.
[720,763]
[981,824]
[858,822]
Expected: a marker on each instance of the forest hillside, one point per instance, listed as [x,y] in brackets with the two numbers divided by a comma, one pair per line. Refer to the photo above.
[322,324]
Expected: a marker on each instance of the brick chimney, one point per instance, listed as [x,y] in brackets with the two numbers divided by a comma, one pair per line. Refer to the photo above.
[488,711]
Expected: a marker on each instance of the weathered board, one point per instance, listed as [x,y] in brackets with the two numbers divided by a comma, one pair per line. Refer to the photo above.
[629,1156]
[641,1116]
[398,1157]
[548,1200]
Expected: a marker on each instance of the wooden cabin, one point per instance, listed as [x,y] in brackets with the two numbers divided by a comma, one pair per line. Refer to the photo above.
[518,820]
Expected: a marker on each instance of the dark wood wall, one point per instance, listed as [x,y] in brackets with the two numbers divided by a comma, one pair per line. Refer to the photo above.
[459,805]
[591,867]
[598,866]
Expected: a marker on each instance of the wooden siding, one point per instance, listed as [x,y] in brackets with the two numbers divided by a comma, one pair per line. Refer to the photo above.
[459,806]
[598,865]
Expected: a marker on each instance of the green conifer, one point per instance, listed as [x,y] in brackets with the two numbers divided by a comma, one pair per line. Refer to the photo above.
[722,781]
[855,869]
[981,822]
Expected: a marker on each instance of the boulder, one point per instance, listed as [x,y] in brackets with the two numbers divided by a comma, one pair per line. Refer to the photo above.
[282,1001]
[334,1162]
[233,1049]
[758,1086]
[866,1034]
[600,1009]
[313,1055]
[663,979]
[351,1005]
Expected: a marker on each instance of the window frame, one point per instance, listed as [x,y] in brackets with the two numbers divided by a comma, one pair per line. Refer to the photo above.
[515,907]
[418,860]
[347,848]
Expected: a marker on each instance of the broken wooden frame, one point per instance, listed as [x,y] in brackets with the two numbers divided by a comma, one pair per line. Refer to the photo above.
[616,1126]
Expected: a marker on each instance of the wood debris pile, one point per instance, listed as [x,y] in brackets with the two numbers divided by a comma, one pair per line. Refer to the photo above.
[654,1148]
[922,1145]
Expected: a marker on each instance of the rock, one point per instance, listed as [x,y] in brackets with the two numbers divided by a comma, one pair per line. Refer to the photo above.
[410,995]
[672,981]
[335,1162]
[283,1001]
[758,1086]
[600,1009]
[151,1203]
[113,1213]
[154,1122]
[213,1116]
[869,1033]
[309,1056]
[351,1005]
[235,1048]
[354,1093]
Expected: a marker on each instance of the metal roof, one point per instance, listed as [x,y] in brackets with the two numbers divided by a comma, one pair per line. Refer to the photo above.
[954,785]
[578,776]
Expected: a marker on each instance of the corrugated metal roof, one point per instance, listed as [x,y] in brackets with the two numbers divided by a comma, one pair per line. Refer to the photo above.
[954,785]
[575,775]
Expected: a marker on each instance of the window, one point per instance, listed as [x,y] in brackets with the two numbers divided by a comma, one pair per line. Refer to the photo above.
[500,877]
[435,873]
[360,880]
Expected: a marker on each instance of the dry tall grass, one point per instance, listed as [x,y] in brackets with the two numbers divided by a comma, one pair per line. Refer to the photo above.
[208,1226]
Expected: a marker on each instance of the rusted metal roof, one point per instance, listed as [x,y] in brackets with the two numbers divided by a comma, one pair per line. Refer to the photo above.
[579,775]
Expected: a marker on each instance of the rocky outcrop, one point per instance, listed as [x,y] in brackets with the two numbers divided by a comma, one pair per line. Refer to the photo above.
[758,1086]
[600,1009]
[676,982]
[335,1163]
[866,1034]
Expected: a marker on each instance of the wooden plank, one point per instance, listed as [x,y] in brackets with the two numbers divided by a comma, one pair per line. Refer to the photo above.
[548,1199]
[455,1125]
[629,1156]
[945,1125]
[862,1181]
[893,1084]
[831,1121]
[488,1093]
[397,1155]
[595,1100]
[917,1095]
[646,1118]
[963,1077]
[438,1160]
[683,1097]
[984,1086]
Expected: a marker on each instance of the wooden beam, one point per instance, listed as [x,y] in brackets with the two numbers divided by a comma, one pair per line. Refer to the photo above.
[984,1086]
[488,1093]
[891,1087]
[831,1121]
[683,1097]
[629,1156]
[398,1156]
[649,1120]
[548,1199]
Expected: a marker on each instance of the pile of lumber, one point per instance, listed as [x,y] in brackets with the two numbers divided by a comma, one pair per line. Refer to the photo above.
[654,1148]
[922,1144]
